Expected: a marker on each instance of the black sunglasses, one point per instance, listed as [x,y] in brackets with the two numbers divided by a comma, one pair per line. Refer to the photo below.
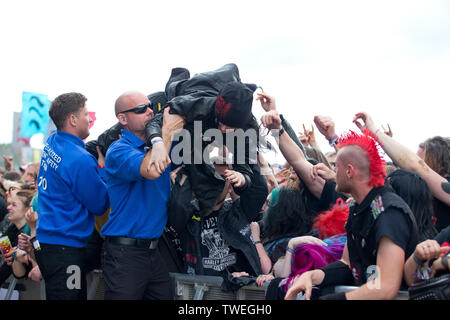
[139,109]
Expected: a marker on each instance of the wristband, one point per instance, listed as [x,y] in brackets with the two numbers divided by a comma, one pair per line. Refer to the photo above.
[256,242]
[280,132]
[288,249]
[333,140]
[34,241]
[156,140]
[417,260]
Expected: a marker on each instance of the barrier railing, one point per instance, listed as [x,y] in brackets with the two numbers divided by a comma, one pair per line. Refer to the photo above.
[184,286]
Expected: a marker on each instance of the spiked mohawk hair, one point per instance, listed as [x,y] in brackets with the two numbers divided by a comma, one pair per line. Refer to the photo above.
[332,222]
[368,143]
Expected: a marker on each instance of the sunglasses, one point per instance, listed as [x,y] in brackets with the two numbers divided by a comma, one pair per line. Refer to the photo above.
[139,109]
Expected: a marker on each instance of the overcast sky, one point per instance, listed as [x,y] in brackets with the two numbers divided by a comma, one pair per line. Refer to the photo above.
[389,58]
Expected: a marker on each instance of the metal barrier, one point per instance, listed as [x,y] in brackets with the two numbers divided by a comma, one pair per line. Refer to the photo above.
[11,287]
[96,288]
[184,286]
[32,290]
[36,290]
[189,287]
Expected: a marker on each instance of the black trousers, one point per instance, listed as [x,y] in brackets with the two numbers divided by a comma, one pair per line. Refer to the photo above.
[93,251]
[64,271]
[132,273]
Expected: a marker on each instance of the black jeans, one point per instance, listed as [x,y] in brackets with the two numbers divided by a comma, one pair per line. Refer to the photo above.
[93,252]
[132,273]
[64,271]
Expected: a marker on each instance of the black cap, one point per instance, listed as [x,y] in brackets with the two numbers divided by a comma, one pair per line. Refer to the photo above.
[234,104]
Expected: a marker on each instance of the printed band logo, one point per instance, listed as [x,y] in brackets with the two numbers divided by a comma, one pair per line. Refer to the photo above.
[222,108]
[219,252]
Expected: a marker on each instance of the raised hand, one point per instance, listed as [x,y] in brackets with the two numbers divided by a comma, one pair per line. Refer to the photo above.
[267,102]
[31,216]
[282,175]
[24,243]
[172,122]
[387,132]
[367,122]
[271,120]
[159,156]
[311,136]
[236,178]
[321,170]
[303,139]
[325,125]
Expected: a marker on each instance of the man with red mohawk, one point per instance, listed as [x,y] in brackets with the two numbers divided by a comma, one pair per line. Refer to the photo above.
[381,229]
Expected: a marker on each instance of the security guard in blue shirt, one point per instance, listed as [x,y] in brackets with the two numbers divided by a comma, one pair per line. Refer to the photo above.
[71,192]
[132,265]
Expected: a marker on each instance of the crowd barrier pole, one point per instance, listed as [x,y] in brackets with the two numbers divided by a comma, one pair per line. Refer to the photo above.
[11,287]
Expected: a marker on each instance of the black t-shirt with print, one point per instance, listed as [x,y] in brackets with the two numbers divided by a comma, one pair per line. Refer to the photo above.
[216,253]
[208,253]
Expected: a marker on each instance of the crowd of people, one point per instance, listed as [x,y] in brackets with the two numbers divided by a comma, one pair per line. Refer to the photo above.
[127,205]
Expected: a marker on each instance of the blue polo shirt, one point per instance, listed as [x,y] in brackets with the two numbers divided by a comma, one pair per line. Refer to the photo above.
[138,205]
[70,190]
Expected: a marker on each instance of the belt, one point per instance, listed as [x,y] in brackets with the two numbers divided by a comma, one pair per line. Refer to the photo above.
[138,243]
